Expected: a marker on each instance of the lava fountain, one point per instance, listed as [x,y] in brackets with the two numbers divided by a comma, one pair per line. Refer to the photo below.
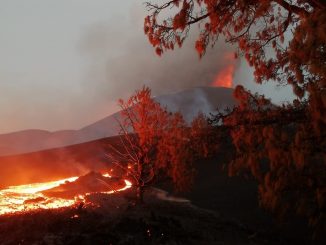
[225,77]
[33,196]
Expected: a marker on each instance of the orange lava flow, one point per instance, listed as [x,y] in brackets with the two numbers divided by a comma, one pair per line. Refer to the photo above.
[29,197]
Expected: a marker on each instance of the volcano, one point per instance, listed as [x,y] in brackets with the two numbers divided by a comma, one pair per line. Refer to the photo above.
[189,102]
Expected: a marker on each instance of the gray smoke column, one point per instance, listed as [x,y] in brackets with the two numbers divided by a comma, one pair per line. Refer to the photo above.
[113,74]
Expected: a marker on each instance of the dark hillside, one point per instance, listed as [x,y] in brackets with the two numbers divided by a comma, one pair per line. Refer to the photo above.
[234,198]
[118,222]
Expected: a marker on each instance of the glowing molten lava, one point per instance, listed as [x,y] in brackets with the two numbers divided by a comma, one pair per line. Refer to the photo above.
[225,77]
[29,197]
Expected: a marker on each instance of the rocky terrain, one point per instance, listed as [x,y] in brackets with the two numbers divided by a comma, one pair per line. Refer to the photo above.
[116,219]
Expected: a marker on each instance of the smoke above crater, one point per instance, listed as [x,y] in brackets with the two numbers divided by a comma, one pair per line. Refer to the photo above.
[113,74]
[65,58]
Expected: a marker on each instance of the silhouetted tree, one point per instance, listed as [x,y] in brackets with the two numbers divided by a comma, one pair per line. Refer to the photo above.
[203,136]
[280,148]
[153,143]
[283,147]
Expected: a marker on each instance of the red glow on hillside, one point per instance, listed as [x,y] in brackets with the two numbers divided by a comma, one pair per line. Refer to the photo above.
[225,77]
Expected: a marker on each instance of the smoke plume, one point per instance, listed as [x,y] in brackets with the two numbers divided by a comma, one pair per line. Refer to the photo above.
[114,74]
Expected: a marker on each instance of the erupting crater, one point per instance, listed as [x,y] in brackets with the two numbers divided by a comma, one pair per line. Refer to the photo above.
[58,194]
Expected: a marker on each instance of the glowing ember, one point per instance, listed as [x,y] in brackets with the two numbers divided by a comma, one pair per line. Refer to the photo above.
[29,197]
[128,185]
[107,175]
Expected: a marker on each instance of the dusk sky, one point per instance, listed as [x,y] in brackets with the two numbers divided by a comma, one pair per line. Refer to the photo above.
[64,63]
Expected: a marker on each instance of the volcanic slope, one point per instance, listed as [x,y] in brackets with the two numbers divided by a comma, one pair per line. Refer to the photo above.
[188,102]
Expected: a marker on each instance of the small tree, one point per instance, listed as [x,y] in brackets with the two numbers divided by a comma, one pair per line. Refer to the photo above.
[175,153]
[152,143]
[203,136]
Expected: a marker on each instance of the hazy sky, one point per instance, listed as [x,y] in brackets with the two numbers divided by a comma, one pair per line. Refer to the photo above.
[64,63]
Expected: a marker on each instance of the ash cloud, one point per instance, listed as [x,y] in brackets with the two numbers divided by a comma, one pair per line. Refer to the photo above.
[112,74]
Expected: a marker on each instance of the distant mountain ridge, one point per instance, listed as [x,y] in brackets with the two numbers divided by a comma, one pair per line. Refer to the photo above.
[189,102]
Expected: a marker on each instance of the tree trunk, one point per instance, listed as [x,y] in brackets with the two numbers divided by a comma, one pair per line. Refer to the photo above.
[140,194]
